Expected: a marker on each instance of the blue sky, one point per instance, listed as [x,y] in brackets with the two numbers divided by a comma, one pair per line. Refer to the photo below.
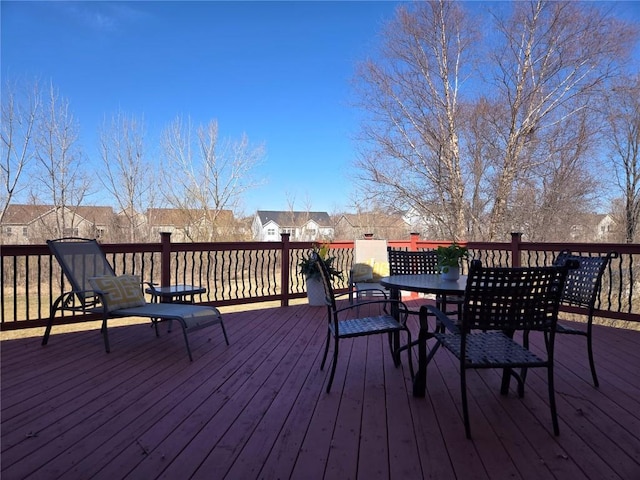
[278,71]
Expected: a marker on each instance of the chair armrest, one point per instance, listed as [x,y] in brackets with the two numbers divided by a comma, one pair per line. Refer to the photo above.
[67,299]
[372,289]
[443,319]
[402,308]
[338,295]
[384,294]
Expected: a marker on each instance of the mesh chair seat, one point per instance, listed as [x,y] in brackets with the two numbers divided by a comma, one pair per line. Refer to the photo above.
[193,317]
[490,349]
[356,327]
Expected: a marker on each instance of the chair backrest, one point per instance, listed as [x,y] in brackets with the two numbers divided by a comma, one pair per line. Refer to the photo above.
[524,298]
[80,259]
[325,278]
[365,251]
[370,260]
[582,286]
[402,262]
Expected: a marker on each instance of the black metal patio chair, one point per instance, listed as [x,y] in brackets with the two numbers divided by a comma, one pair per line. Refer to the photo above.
[582,289]
[498,302]
[390,319]
[95,288]
[403,262]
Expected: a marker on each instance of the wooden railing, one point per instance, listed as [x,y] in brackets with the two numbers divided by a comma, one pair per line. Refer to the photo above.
[253,272]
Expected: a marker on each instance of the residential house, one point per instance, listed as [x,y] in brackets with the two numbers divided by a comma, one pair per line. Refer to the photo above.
[302,226]
[190,225]
[418,222]
[350,226]
[594,227]
[28,224]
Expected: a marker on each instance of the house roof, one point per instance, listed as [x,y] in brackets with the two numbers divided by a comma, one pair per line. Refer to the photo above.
[292,218]
[181,217]
[373,219]
[18,214]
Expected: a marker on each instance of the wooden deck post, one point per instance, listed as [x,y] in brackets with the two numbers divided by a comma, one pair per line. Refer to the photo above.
[284,274]
[165,259]
[414,237]
[516,239]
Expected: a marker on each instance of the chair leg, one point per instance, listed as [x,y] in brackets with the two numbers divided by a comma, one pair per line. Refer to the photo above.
[394,345]
[326,350]
[552,401]
[592,364]
[523,371]
[154,324]
[409,345]
[186,339]
[105,335]
[465,407]
[224,332]
[506,379]
[47,331]
[333,367]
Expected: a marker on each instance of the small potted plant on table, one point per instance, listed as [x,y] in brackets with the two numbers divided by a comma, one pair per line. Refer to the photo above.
[449,260]
[311,272]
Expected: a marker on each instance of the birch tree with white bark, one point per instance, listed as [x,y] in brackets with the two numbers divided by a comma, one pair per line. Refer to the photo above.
[464,128]
[204,176]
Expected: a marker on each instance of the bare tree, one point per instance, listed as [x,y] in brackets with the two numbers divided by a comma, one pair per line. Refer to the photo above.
[20,109]
[412,96]
[466,150]
[623,137]
[554,58]
[59,178]
[204,175]
[127,176]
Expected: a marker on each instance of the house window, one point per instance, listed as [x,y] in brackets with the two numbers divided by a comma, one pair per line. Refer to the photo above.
[7,230]
[99,232]
[70,232]
[271,232]
[24,231]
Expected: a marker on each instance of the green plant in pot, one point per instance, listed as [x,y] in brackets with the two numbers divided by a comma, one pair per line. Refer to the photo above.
[449,259]
[310,269]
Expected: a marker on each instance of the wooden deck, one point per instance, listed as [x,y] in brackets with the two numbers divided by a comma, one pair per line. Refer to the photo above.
[258,409]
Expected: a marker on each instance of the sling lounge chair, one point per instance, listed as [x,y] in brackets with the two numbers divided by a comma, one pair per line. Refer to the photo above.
[97,289]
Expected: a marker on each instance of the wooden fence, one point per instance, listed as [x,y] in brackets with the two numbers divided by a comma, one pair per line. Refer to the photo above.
[252,272]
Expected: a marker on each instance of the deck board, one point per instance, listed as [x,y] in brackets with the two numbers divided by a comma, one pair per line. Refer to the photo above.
[258,408]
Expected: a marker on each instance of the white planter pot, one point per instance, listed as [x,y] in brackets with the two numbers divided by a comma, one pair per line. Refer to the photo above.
[452,273]
[315,292]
